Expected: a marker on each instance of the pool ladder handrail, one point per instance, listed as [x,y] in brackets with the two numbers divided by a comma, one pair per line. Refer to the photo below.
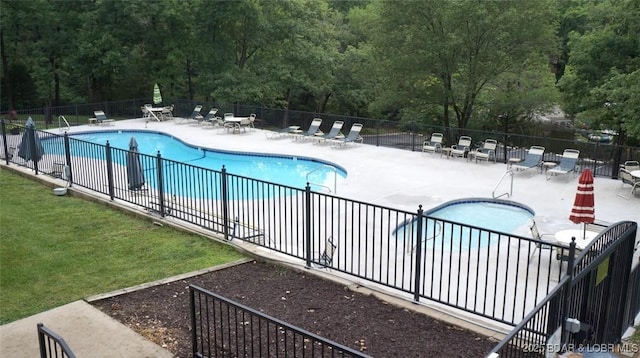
[510,193]
[335,177]
[438,232]
[60,120]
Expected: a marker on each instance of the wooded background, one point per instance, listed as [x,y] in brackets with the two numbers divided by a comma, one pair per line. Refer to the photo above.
[458,63]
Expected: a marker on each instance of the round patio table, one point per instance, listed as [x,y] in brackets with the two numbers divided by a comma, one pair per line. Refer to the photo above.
[583,238]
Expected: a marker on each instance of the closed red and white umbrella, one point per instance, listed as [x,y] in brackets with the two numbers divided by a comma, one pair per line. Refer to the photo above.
[583,210]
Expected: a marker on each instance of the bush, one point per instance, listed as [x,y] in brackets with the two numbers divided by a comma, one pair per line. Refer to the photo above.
[13,128]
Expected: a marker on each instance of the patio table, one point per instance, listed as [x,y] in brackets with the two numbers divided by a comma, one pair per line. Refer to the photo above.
[583,238]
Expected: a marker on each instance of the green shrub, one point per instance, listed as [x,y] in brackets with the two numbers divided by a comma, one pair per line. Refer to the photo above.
[13,128]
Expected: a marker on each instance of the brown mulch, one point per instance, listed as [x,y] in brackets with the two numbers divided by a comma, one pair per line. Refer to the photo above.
[324,307]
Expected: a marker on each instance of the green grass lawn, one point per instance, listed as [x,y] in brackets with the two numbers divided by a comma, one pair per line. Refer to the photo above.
[55,250]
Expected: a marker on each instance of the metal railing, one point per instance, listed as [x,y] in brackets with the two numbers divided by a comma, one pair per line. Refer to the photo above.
[61,120]
[530,337]
[602,158]
[335,177]
[295,221]
[52,345]
[224,328]
[499,279]
[600,297]
[510,192]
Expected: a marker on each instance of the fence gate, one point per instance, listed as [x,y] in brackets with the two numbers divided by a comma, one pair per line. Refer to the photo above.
[600,287]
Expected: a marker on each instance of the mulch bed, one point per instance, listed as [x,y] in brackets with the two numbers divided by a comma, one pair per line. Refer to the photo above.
[323,307]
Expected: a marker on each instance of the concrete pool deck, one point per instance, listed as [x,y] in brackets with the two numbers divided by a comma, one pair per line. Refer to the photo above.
[379,175]
[403,179]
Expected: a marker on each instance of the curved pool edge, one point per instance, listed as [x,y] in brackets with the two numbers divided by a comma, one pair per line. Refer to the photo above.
[341,170]
[480,200]
[467,201]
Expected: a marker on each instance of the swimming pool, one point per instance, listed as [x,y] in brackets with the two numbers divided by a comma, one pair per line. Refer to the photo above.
[291,171]
[476,216]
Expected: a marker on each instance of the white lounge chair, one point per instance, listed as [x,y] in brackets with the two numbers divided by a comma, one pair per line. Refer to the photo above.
[487,150]
[100,119]
[314,128]
[434,144]
[334,133]
[463,146]
[567,163]
[194,118]
[531,160]
[352,137]
[209,120]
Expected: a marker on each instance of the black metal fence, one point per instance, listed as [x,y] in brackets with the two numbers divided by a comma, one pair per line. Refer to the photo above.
[52,345]
[223,328]
[632,306]
[602,158]
[495,275]
[599,297]
[530,337]
[490,274]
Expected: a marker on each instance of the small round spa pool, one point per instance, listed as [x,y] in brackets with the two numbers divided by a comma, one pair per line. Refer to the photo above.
[466,223]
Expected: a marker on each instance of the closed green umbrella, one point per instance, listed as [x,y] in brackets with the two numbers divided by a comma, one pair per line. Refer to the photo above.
[31,147]
[157,97]
[135,174]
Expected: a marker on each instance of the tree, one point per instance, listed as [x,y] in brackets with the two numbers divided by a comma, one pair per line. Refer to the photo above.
[598,86]
[620,96]
[445,53]
[17,34]
[272,53]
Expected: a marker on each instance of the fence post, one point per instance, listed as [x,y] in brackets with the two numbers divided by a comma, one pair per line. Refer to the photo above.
[415,132]
[194,330]
[225,203]
[418,277]
[565,309]
[160,185]
[4,140]
[109,170]
[307,223]
[617,159]
[505,145]
[67,157]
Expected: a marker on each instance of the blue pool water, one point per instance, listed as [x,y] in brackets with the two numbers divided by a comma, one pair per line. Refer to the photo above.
[285,170]
[488,214]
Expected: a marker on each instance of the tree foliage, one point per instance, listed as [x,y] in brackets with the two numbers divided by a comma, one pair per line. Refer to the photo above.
[600,86]
[445,54]
[461,63]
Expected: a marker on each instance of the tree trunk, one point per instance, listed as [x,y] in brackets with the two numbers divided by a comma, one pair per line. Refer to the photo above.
[323,106]
[189,79]
[7,75]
